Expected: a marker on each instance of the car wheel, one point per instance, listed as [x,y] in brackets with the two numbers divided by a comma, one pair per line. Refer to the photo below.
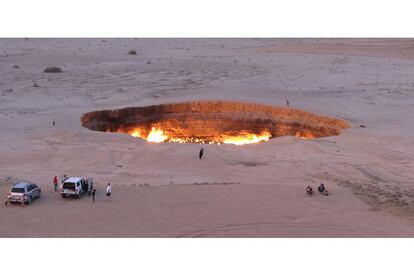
[63,196]
[29,201]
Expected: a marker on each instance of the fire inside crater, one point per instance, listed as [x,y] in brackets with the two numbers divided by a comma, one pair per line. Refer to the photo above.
[213,122]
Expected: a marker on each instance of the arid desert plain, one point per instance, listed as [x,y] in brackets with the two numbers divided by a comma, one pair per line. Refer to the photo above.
[164,189]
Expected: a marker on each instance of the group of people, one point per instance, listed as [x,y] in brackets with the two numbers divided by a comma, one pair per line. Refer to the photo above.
[321,188]
[309,190]
[55,181]
[92,192]
[108,192]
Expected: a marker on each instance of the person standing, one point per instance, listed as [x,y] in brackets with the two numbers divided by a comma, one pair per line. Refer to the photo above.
[201,153]
[55,183]
[93,194]
[53,122]
[64,178]
[109,191]
[287,103]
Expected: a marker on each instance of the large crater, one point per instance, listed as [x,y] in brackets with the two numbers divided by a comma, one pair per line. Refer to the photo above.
[213,122]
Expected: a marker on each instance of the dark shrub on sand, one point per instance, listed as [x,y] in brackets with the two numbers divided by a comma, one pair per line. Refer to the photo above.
[53,70]
[132,52]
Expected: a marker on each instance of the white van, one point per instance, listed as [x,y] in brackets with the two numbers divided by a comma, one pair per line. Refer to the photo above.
[76,186]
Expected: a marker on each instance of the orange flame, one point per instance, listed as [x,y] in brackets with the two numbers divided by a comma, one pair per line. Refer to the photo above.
[247,139]
[156,135]
[135,133]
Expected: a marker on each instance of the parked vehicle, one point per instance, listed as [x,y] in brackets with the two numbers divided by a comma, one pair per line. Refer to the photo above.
[24,192]
[76,187]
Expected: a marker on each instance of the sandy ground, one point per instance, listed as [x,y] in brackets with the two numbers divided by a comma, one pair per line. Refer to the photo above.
[163,190]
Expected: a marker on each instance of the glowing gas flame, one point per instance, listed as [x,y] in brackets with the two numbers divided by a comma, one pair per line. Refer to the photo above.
[247,139]
[135,133]
[156,135]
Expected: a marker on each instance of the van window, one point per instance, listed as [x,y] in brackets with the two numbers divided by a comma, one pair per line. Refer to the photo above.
[18,190]
[69,186]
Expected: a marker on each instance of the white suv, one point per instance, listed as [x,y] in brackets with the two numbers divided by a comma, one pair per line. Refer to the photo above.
[76,186]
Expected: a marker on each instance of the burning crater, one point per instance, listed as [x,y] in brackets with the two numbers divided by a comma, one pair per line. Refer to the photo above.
[213,122]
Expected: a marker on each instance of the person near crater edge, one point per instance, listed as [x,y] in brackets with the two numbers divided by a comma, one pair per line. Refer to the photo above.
[201,153]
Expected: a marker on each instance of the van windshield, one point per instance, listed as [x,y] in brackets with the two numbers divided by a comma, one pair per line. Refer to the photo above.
[18,190]
[69,186]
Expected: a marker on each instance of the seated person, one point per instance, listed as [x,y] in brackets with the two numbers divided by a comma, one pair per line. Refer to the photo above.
[321,188]
[309,190]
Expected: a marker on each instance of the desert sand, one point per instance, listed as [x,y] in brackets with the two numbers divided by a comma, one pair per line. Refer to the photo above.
[164,190]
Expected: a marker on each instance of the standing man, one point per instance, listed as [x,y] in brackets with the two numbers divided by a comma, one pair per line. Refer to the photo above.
[64,178]
[55,183]
[200,155]
[287,103]
[93,194]
[53,122]
[109,191]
